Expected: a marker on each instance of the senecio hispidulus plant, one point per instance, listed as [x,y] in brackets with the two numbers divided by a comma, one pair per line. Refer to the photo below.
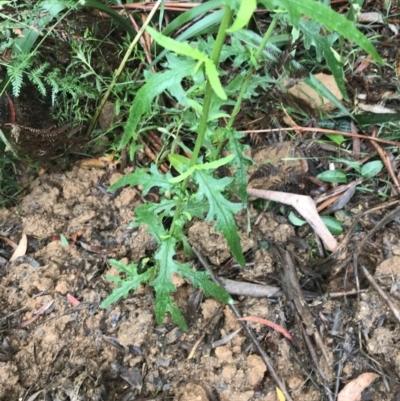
[191,77]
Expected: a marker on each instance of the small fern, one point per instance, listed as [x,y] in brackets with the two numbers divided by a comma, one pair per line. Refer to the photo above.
[16,72]
[36,77]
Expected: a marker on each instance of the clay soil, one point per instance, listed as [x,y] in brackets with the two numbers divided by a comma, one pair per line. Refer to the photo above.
[77,351]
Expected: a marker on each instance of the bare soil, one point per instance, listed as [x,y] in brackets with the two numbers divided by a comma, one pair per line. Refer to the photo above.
[81,352]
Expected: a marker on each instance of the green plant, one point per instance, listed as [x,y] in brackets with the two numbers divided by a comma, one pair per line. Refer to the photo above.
[191,77]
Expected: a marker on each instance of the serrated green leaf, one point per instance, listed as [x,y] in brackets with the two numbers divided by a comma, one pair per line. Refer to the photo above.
[155,85]
[126,286]
[202,280]
[312,37]
[333,225]
[332,176]
[323,44]
[371,169]
[130,269]
[336,68]
[191,15]
[163,284]
[240,162]
[221,210]
[205,25]
[148,179]
[197,208]
[144,215]
[243,16]
[164,207]
[295,220]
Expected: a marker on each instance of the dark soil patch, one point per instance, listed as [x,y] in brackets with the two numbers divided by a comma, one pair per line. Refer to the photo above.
[87,353]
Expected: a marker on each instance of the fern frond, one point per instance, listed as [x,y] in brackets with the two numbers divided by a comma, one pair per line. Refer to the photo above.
[35,76]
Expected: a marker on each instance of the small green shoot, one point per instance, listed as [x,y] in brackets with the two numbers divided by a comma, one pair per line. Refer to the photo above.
[334,176]
[64,241]
[333,225]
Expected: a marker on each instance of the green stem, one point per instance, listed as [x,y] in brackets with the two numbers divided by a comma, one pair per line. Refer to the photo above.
[219,42]
[246,80]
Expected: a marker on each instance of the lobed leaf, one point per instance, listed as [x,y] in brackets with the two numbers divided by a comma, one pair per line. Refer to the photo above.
[148,180]
[240,161]
[221,210]
[202,280]
[155,85]
[144,215]
[163,284]
[125,286]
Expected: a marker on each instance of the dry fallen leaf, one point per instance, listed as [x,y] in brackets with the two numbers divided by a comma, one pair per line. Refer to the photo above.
[99,162]
[305,206]
[352,391]
[375,108]
[304,92]
[72,300]
[279,394]
[21,248]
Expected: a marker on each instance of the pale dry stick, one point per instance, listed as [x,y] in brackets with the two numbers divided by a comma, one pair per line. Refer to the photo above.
[305,206]
[382,293]
[250,333]
[250,289]
[344,293]
[328,131]
[121,67]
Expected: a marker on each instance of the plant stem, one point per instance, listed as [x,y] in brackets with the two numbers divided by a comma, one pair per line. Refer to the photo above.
[219,42]
[246,80]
